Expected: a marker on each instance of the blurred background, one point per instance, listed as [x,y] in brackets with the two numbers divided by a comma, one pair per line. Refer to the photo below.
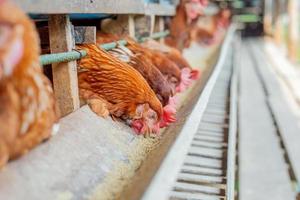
[150,99]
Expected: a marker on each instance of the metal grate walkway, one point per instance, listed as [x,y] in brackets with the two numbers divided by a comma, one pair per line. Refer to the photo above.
[202,160]
[203,174]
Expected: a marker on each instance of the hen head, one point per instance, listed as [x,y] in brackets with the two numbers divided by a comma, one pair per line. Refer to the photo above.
[146,120]
[195,8]
[185,80]
[188,75]
[165,91]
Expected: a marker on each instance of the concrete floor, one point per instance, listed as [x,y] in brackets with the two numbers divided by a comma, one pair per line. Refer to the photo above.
[269,131]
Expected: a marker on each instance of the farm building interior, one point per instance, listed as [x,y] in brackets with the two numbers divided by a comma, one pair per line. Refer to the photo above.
[149,99]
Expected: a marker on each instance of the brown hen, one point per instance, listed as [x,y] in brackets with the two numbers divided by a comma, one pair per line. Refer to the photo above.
[173,54]
[142,64]
[27,111]
[152,75]
[187,72]
[119,88]
[167,67]
[179,29]
[211,29]
[187,13]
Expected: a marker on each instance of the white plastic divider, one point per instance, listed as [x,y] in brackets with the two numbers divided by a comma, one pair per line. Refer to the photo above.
[162,182]
[232,133]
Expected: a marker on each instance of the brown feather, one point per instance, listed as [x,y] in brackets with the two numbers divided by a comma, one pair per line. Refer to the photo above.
[116,82]
[167,67]
[171,53]
[143,65]
[27,110]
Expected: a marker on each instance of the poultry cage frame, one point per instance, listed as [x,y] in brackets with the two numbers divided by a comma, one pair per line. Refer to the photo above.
[62,39]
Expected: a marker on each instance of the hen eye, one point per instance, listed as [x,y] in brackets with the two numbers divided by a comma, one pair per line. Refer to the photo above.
[173,80]
[152,115]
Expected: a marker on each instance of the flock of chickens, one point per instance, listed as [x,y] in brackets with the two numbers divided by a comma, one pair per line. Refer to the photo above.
[136,83]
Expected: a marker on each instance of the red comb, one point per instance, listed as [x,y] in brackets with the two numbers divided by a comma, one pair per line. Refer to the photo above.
[185,81]
[137,126]
[195,74]
[169,112]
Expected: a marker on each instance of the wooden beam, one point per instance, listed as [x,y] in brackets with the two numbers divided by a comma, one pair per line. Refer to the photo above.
[65,80]
[142,25]
[134,25]
[152,24]
[161,24]
[268,17]
[131,26]
[82,35]
[95,6]
[293,32]
[116,26]
[278,22]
